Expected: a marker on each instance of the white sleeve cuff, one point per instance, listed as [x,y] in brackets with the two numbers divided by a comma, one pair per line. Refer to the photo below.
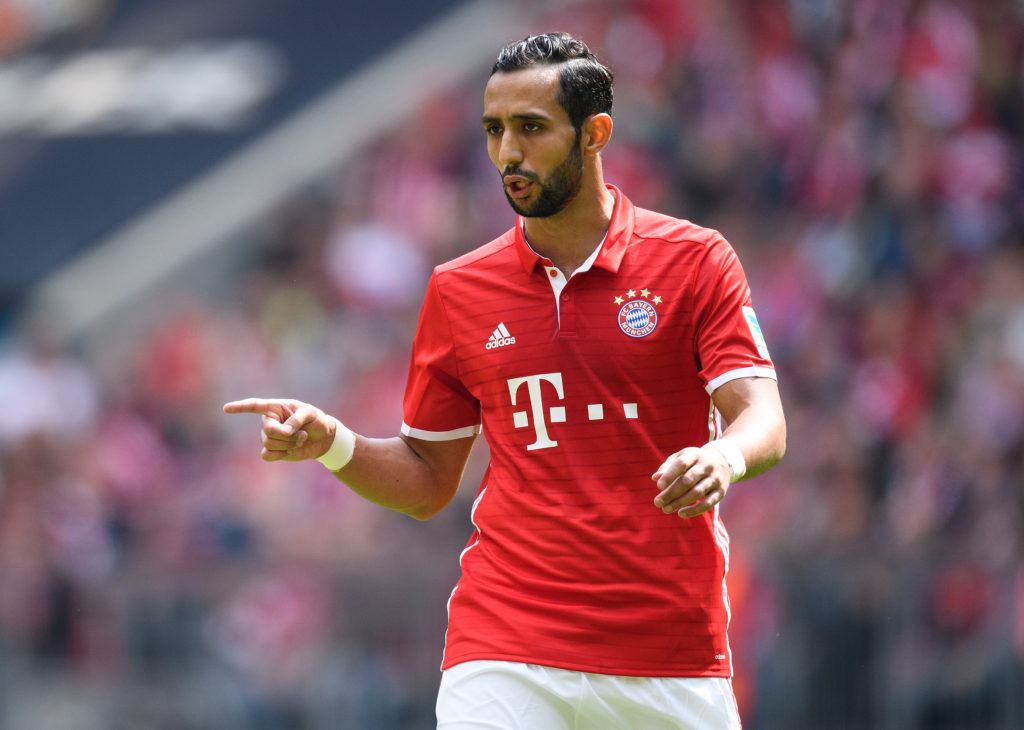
[455,433]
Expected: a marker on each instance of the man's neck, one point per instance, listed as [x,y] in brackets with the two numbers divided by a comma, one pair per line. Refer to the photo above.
[571,235]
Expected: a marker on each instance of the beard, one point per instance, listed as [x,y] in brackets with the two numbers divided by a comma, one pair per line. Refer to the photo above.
[557,190]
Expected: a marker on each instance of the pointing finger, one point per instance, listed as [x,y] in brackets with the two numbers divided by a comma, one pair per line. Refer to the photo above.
[248,405]
[276,409]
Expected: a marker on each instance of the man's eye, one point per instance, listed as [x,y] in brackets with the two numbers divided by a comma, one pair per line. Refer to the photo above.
[492,130]
[531,127]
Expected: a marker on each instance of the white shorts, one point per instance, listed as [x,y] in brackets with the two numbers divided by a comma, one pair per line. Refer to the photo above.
[512,696]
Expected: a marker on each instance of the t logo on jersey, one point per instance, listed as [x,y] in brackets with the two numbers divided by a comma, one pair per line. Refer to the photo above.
[520,419]
[555,414]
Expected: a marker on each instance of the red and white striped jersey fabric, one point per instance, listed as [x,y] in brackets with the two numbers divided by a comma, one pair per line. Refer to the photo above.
[582,388]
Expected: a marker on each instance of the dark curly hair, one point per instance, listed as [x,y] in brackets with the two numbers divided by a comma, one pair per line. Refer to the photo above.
[586,83]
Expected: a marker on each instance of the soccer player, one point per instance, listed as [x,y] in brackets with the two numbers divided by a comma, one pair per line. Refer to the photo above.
[601,348]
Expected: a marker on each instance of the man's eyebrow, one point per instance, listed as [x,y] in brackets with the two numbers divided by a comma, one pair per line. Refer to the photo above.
[517,118]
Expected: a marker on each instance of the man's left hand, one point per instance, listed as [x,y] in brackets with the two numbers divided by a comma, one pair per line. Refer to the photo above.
[692,481]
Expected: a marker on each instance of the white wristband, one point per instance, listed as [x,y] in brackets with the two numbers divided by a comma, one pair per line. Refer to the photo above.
[732,454]
[340,452]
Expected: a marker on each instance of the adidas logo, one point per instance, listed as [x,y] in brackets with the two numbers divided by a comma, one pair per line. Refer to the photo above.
[500,337]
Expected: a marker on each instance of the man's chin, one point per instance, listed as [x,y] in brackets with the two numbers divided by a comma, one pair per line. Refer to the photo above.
[524,210]
[530,210]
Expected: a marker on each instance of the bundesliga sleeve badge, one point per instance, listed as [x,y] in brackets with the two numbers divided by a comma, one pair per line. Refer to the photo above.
[638,317]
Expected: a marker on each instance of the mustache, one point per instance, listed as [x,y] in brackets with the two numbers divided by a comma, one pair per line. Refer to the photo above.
[519,172]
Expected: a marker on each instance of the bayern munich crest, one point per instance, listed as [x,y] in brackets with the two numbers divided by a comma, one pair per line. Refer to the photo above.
[638,318]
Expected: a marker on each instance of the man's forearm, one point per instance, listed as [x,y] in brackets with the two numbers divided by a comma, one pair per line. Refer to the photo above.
[410,476]
[752,409]
[760,434]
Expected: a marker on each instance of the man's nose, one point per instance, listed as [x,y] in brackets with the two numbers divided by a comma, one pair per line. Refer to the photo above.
[510,152]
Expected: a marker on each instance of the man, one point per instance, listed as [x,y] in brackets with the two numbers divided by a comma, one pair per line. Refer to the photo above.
[594,343]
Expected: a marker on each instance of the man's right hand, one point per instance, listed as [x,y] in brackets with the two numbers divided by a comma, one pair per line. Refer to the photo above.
[291,430]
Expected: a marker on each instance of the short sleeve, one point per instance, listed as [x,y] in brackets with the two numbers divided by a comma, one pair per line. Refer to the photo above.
[729,342]
[437,406]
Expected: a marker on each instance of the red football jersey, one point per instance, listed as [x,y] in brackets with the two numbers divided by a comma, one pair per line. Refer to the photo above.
[583,388]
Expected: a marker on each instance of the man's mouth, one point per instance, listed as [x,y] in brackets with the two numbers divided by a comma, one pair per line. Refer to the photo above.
[517,186]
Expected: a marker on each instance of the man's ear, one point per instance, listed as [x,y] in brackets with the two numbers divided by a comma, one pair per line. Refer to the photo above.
[597,131]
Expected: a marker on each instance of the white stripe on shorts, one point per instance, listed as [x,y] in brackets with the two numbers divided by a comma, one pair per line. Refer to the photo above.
[493,695]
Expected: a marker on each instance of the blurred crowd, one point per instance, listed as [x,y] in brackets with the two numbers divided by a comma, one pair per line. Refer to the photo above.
[865,158]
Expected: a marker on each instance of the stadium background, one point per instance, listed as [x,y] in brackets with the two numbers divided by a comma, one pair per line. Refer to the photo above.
[204,201]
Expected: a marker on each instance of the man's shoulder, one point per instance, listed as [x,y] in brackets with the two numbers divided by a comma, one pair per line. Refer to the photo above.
[655,226]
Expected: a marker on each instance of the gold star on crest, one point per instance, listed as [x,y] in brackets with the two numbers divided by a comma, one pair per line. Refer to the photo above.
[618,300]
[631,293]
[657,299]
[645,292]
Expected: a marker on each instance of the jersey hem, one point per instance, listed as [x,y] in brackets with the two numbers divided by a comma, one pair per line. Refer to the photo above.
[660,671]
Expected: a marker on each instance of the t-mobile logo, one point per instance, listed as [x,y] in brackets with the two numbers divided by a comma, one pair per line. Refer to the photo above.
[521,420]
[555,414]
